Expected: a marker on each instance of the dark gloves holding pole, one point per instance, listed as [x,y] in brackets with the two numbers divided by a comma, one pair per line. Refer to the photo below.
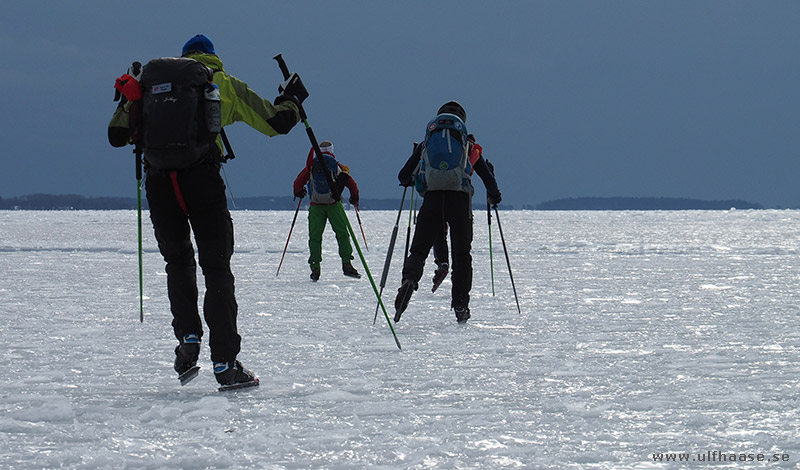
[301,194]
[292,89]
[494,199]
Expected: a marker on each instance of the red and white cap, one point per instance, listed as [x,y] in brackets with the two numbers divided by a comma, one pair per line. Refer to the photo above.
[326,146]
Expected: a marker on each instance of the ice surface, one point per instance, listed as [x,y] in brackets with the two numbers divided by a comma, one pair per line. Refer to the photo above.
[640,333]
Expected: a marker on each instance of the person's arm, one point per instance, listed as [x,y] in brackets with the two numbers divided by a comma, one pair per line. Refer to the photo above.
[351,186]
[489,181]
[300,182]
[241,104]
[406,175]
[303,177]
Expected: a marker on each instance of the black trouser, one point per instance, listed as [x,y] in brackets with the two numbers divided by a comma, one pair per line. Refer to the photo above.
[196,196]
[439,210]
[440,251]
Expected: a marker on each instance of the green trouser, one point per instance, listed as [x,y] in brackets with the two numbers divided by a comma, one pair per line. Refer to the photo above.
[317,216]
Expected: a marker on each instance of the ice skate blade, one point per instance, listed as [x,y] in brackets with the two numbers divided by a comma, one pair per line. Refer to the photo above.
[239,386]
[189,375]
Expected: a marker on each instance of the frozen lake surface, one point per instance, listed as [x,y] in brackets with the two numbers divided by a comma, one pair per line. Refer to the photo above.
[643,337]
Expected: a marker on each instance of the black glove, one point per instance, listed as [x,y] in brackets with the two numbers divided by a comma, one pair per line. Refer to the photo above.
[494,199]
[353,200]
[292,88]
[489,164]
[407,183]
[302,193]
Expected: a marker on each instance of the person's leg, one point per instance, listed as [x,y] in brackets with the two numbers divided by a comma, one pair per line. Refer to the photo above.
[204,193]
[440,250]
[316,226]
[337,218]
[172,233]
[429,223]
[441,258]
[428,228]
[459,217]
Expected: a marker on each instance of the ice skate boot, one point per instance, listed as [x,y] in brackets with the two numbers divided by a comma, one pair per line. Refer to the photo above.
[439,275]
[462,314]
[403,297]
[233,376]
[350,271]
[186,355]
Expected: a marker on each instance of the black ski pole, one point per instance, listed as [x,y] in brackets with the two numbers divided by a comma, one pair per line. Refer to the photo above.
[500,227]
[390,251]
[294,219]
[410,213]
[408,230]
[336,195]
[491,258]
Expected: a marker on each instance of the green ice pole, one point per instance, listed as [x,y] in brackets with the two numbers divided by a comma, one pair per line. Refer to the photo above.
[138,153]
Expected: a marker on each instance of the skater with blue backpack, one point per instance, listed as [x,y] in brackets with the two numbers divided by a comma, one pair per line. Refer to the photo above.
[440,168]
[323,208]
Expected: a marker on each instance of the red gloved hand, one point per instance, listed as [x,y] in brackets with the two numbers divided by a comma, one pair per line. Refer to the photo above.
[129,87]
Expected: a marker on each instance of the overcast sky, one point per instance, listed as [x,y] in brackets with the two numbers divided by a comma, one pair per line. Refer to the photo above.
[569,98]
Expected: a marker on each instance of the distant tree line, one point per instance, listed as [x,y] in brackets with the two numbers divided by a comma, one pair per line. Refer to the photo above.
[66,202]
[642,204]
[78,202]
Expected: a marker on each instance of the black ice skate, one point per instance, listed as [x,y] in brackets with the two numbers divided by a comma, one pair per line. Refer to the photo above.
[350,271]
[403,297]
[439,275]
[233,376]
[462,314]
[186,355]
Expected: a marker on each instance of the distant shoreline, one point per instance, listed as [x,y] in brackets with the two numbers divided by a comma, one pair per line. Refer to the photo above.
[78,202]
[644,204]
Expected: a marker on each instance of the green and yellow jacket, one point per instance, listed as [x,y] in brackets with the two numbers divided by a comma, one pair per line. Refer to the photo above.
[241,104]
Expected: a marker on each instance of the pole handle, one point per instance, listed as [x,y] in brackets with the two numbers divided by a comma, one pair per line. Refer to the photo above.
[282,64]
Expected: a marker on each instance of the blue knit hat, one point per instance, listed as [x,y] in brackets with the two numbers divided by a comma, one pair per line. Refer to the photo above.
[199,43]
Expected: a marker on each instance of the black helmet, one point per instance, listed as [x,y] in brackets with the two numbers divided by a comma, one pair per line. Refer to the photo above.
[453,107]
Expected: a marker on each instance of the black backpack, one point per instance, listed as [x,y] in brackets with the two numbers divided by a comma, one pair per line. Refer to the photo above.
[180,113]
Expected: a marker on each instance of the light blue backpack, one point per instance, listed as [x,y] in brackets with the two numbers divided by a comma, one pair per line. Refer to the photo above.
[444,163]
